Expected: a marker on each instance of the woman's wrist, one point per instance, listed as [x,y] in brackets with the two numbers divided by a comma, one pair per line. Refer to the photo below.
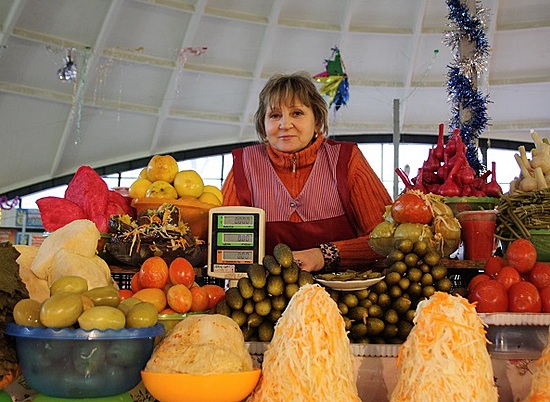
[331,255]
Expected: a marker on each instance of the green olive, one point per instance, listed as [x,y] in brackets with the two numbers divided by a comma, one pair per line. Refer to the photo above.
[61,310]
[126,304]
[27,312]
[142,315]
[69,283]
[104,296]
[102,317]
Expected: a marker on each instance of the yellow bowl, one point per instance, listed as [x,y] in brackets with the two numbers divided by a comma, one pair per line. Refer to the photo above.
[223,387]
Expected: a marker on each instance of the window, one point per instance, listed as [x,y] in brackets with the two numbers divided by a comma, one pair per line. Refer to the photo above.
[214,169]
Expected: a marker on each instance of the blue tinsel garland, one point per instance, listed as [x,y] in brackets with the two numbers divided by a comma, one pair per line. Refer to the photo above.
[461,92]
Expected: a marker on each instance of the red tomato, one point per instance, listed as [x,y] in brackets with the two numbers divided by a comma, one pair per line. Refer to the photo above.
[215,294]
[411,208]
[490,297]
[181,272]
[524,297]
[545,299]
[540,275]
[477,279]
[522,255]
[508,276]
[493,265]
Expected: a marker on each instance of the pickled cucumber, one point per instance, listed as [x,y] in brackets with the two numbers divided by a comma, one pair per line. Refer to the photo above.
[244,284]
[257,275]
[283,255]
[271,264]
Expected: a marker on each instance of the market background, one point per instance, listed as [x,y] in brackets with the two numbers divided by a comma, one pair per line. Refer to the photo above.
[182,77]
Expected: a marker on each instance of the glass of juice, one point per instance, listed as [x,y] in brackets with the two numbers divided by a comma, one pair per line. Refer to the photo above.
[478,233]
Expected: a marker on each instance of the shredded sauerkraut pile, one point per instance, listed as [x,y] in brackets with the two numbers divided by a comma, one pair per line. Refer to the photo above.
[540,387]
[445,356]
[309,357]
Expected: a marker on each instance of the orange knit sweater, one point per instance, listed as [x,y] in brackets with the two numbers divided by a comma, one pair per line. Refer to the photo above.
[368,197]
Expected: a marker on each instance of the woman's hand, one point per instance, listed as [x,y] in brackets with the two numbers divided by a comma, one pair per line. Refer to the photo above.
[310,260]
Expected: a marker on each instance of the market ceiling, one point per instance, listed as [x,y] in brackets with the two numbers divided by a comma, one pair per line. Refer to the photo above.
[167,76]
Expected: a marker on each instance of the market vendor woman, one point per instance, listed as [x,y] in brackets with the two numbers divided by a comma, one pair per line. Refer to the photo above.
[320,196]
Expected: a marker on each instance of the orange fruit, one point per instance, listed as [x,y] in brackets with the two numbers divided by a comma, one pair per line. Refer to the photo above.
[153,273]
[200,299]
[179,298]
[182,272]
[155,296]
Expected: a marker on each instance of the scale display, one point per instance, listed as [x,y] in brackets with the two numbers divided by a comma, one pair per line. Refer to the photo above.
[236,239]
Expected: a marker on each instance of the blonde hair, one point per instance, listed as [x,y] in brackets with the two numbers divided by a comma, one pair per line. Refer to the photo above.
[282,89]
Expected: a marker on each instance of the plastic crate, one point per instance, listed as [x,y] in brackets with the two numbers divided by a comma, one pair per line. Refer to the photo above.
[123,279]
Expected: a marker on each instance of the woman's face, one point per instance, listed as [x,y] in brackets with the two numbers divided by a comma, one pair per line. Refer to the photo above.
[290,128]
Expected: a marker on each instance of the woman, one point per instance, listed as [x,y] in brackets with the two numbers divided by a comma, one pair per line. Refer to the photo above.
[321,197]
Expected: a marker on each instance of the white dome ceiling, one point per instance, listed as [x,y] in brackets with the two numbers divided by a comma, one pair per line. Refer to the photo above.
[163,76]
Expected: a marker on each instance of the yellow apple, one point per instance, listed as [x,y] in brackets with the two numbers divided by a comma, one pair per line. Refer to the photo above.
[162,167]
[214,190]
[210,198]
[188,182]
[161,189]
[139,188]
[143,173]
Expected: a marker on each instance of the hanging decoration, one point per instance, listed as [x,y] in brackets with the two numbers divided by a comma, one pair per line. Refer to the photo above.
[6,203]
[195,51]
[68,72]
[470,47]
[334,80]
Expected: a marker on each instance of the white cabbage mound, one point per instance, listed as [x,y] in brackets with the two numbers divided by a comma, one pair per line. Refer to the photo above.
[202,344]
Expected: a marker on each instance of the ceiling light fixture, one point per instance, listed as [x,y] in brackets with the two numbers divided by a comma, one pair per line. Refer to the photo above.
[68,72]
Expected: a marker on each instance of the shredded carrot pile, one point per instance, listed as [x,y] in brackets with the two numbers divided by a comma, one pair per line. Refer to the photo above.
[540,387]
[309,357]
[445,356]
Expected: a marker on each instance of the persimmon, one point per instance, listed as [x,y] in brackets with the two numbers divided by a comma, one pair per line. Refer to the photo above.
[153,273]
[182,272]
[179,298]
[200,299]
[215,294]
[134,283]
[155,296]
[125,293]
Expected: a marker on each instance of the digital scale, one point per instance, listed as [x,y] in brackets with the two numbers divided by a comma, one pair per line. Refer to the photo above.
[236,239]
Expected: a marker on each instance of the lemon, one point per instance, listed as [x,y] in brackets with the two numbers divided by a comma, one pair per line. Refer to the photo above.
[161,189]
[188,183]
[210,198]
[214,190]
[139,187]
[143,173]
[163,168]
